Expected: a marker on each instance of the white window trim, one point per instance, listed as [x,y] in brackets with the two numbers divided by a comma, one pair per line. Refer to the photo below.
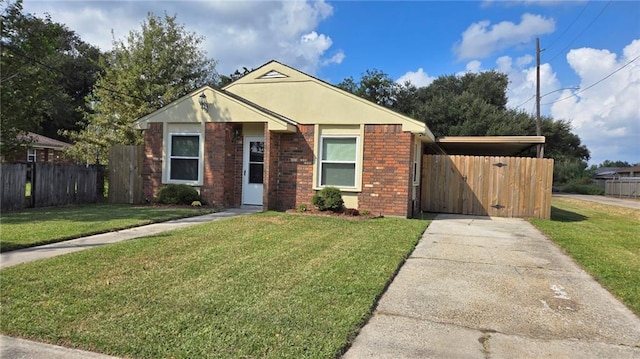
[357,161]
[170,157]
[417,157]
[31,152]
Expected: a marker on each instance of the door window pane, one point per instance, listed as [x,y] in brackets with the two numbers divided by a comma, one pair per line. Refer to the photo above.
[255,172]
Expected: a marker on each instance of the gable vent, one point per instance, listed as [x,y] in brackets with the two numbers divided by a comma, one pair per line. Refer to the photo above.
[272,75]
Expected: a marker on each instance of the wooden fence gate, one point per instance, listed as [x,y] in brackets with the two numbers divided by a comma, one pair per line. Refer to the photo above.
[125,174]
[487,186]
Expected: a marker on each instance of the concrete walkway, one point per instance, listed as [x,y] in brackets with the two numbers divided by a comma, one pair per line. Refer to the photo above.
[8,259]
[479,287]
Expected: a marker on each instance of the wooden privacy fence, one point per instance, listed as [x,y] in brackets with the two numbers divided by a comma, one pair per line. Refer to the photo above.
[125,174]
[14,180]
[487,186]
[57,184]
[51,185]
[623,187]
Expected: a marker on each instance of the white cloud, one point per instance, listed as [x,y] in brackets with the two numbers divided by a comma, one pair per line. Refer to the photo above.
[474,66]
[237,33]
[482,39]
[607,115]
[418,78]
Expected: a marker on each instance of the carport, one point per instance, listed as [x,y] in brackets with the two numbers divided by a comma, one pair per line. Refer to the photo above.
[481,175]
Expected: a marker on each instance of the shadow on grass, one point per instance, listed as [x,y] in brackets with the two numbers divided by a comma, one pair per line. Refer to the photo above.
[560,215]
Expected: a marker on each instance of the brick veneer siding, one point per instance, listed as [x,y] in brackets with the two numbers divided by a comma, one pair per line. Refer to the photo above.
[289,162]
[295,178]
[387,163]
[221,185]
[271,171]
[152,161]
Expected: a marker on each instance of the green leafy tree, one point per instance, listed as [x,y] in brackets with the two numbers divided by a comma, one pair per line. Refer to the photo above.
[225,80]
[46,71]
[474,104]
[375,86]
[153,66]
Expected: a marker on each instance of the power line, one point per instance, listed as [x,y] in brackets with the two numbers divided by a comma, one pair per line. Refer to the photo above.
[595,83]
[570,25]
[582,32]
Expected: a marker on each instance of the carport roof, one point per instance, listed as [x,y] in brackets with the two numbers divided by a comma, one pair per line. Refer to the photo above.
[488,145]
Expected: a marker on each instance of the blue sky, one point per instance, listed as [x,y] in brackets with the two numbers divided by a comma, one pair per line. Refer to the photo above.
[584,41]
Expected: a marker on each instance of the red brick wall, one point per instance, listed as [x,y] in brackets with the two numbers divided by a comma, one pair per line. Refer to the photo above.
[43,155]
[295,172]
[386,171]
[152,162]
[271,168]
[289,161]
[222,164]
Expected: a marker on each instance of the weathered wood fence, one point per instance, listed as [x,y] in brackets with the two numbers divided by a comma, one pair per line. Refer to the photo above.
[14,183]
[487,186]
[125,174]
[623,187]
[51,185]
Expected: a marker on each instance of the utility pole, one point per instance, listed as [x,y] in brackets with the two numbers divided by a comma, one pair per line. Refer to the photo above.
[540,146]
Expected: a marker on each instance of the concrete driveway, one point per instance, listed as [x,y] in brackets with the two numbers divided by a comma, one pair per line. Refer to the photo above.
[479,287]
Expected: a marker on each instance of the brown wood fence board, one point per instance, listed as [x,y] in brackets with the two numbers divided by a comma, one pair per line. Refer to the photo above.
[483,185]
[125,174]
[14,178]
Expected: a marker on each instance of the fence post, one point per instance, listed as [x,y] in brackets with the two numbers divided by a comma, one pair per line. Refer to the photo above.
[100,170]
[31,167]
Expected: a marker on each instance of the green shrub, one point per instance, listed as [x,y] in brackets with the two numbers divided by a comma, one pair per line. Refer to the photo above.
[328,198]
[302,208]
[579,187]
[178,194]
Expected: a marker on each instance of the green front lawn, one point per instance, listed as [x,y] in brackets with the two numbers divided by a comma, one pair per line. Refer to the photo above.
[268,285]
[604,239]
[35,227]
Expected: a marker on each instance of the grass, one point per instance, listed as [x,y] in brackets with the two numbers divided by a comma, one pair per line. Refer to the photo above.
[268,285]
[35,227]
[604,239]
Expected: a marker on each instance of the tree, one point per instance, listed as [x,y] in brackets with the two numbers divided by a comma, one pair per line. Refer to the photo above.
[225,80]
[46,71]
[375,86]
[609,163]
[474,105]
[155,65]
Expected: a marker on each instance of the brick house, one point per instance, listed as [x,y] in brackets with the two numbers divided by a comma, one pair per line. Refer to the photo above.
[276,136]
[40,149]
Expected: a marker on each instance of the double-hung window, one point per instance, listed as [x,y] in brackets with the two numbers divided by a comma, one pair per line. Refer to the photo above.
[338,161]
[31,155]
[184,157]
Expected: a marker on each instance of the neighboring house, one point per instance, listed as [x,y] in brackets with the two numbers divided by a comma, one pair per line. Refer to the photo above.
[628,171]
[605,173]
[38,149]
[276,136]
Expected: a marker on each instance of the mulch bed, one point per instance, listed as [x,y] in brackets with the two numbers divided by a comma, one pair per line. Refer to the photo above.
[344,214]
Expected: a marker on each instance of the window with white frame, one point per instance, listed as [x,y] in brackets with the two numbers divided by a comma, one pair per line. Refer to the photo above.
[338,161]
[184,157]
[31,155]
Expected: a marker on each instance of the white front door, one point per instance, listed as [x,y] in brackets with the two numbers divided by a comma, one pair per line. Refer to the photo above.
[253,170]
